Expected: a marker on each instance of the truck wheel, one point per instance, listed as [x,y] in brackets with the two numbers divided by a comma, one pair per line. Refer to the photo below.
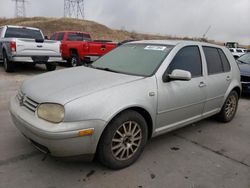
[123,141]
[229,108]
[74,60]
[8,65]
[51,66]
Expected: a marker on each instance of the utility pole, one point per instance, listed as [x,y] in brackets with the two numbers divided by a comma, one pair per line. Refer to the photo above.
[204,35]
[74,9]
[20,8]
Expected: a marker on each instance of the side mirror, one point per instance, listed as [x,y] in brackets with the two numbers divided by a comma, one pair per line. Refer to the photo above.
[46,37]
[178,74]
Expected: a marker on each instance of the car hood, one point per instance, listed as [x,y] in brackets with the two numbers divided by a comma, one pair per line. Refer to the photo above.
[244,69]
[66,85]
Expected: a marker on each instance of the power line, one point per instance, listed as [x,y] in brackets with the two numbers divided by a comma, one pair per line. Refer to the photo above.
[20,10]
[74,8]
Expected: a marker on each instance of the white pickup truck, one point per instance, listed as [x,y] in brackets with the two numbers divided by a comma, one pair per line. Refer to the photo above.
[26,44]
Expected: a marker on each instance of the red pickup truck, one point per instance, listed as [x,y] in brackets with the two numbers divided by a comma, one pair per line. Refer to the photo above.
[78,47]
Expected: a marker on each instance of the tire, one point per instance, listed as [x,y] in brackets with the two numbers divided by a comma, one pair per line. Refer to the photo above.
[229,108]
[50,66]
[118,149]
[74,60]
[8,65]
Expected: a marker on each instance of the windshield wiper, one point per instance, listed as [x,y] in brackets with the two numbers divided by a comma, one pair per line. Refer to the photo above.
[106,69]
[103,68]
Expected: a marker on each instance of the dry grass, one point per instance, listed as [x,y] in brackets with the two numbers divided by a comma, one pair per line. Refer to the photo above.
[97,31]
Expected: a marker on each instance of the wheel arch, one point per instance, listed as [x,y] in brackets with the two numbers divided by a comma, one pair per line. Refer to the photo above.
[142,111]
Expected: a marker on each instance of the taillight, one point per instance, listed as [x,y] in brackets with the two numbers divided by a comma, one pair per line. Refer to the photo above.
[13,46]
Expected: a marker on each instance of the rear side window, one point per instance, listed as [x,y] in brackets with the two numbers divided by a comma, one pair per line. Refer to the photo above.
[78,37]
[231,50]
[239,50]
[23,33]
[189,59]
[225,62]
[60,36]
[214,64]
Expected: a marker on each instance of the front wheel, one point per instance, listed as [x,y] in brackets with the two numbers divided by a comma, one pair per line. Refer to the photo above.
[229,108]
[123,140]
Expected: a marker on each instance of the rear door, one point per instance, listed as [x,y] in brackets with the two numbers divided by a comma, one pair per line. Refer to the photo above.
[181,102]
[218,78]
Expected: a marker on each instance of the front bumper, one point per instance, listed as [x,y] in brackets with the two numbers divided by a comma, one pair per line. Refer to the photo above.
[61,140]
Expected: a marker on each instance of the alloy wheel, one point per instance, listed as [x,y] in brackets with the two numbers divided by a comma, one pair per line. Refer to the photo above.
[126,140]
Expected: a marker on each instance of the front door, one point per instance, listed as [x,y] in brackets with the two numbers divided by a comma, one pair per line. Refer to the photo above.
[181,102]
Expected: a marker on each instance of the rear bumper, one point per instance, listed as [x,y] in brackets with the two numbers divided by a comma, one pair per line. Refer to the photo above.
[60,140]
[29,59]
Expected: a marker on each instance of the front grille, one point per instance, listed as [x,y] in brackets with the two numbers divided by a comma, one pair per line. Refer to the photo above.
[245,78]
[27,102]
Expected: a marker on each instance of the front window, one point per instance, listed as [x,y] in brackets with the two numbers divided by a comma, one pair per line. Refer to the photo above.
[134,59]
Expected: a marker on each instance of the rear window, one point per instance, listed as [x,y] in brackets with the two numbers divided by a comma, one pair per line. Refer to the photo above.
[53,37]
[60,36]
[23,33]
[78,37]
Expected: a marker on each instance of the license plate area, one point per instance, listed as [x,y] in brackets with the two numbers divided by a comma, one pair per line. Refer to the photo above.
[40,58]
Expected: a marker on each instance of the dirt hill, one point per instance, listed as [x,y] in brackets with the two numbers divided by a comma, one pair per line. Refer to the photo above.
[97,31]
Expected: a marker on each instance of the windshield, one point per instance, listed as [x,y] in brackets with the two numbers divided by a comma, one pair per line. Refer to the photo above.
[134,59]
[23,33]
[245,58]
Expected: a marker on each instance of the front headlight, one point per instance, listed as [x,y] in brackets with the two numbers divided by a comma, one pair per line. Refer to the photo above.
[51,112]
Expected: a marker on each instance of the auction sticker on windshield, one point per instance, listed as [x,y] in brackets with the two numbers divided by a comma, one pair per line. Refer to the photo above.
[158,48]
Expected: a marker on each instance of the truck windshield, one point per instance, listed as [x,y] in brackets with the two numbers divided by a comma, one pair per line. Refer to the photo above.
[23,33]
[134,59]
[78,37]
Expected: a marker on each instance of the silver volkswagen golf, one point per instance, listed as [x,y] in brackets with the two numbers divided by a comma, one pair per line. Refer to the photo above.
[139,90]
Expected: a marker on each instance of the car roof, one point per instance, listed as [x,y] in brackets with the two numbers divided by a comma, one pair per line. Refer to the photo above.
[174,42]
[18,26]
[72,32]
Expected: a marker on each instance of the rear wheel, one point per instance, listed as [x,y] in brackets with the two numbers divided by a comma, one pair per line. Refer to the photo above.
[123,140]
[50,66]
[229,108]
[8,65]
[74,60]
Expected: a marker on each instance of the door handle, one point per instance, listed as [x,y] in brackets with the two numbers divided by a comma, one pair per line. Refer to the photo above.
[228,78]
[202,84]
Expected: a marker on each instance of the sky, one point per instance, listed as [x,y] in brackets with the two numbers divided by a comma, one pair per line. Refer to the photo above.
[229,19]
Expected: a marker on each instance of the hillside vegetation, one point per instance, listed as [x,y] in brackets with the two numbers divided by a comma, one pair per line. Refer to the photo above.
[97,31]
